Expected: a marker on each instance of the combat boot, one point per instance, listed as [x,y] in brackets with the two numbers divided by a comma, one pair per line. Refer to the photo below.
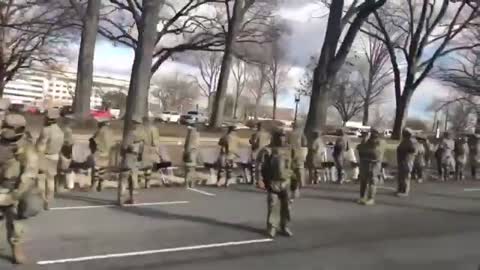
[18,254]
[362,201]
[271,232]
[287,232]
[46,206]
[369,202]
[402,194]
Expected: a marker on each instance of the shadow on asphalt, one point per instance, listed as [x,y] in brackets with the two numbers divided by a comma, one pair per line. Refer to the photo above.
[80,198]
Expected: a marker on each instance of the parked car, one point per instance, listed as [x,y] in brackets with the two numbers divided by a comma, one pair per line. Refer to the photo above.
[198,117]
[169,117]
[186,119]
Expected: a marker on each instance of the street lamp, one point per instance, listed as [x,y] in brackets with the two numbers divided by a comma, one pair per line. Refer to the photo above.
[297,100]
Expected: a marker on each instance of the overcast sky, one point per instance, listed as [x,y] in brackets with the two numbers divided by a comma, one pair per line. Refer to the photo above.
[304,41]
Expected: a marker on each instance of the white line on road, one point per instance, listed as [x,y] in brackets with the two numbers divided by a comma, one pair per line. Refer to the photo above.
[471,189]
[201,192]
[114,205]
[387,188]
[149,252]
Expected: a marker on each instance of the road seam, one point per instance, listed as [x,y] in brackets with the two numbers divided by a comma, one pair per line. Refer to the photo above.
[202,192]
[114,205]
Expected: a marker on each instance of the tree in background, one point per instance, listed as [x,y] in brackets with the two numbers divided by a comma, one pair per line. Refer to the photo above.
[209,64]
[257,86]
[115,99]
[32,33]
[276,73]
[346,96]
[417,124]
[411,28]
[242,77]
[341,23]
[175,92]
[83,88]
[375,73]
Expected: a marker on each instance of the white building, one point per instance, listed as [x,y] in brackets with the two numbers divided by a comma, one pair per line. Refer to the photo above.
[52,88]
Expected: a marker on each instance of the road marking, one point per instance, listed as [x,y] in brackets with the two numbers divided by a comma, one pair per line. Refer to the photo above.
[202,192]
[387,188]
[114,205]
[157,251]
[471,189]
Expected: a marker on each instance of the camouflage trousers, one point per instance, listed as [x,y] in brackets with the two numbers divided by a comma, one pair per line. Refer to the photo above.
[225,169]
[460,165]
[369,176]
[128,181]
[279,207]
[13,228]
[474,160]
[99,170]
[190,175]
[47,183]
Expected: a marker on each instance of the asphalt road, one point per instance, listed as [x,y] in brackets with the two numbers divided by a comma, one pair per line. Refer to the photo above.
[437,227]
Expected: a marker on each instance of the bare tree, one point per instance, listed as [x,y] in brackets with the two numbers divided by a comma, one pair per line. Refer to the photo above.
[347,98]
[277,75]
[334,53]
[257,86]
[235,20]
[241,77]
[31,33]
[410,28]
[375,73]
[175,92]
[83,87]
[209,64]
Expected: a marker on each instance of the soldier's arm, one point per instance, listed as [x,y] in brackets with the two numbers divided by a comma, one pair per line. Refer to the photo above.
[41,144]
[304,141]
[29,173]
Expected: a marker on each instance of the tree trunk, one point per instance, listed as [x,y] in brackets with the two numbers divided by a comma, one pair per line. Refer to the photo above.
[319,103]
[401,114]
[140,78]
[2,86]
[274,112]
[84,83]
[257,105]
[216,118]
[235,107]
[477,127]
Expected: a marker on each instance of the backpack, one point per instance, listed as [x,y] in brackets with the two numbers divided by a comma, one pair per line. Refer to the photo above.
[280,169]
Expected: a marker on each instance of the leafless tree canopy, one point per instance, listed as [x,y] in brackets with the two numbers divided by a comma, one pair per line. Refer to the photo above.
[417,34]
[241,77]
[31,32]
[175,92]
[209,64]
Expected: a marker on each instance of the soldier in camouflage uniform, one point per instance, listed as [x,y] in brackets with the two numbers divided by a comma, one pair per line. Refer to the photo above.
[298,142]
[474,153]
[151,154]
[406,153]
[277,172]
[49,145]
[131,153]
[445,156]
[315,157]
[19,169]
[461,157]
[341,146]
[65,154]
[420,159]
[101,145]
[190,153]
[229,147]
[258,141]
[371,154]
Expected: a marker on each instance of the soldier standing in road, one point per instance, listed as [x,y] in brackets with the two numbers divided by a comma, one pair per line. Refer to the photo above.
[445,156]
[339,150]
[278,173]
[298,142]
[229,146]
[151,154]
[406,154]
[49,145]
[101,145]
[315,157]
[131,157]
[18,174]
[420,159]
[66,154]
[190,153]
[371,154]
[474,153]
[461,157]
[258,141]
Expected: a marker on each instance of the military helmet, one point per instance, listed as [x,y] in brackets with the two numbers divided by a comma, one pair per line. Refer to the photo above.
[4,104]
[13,126]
